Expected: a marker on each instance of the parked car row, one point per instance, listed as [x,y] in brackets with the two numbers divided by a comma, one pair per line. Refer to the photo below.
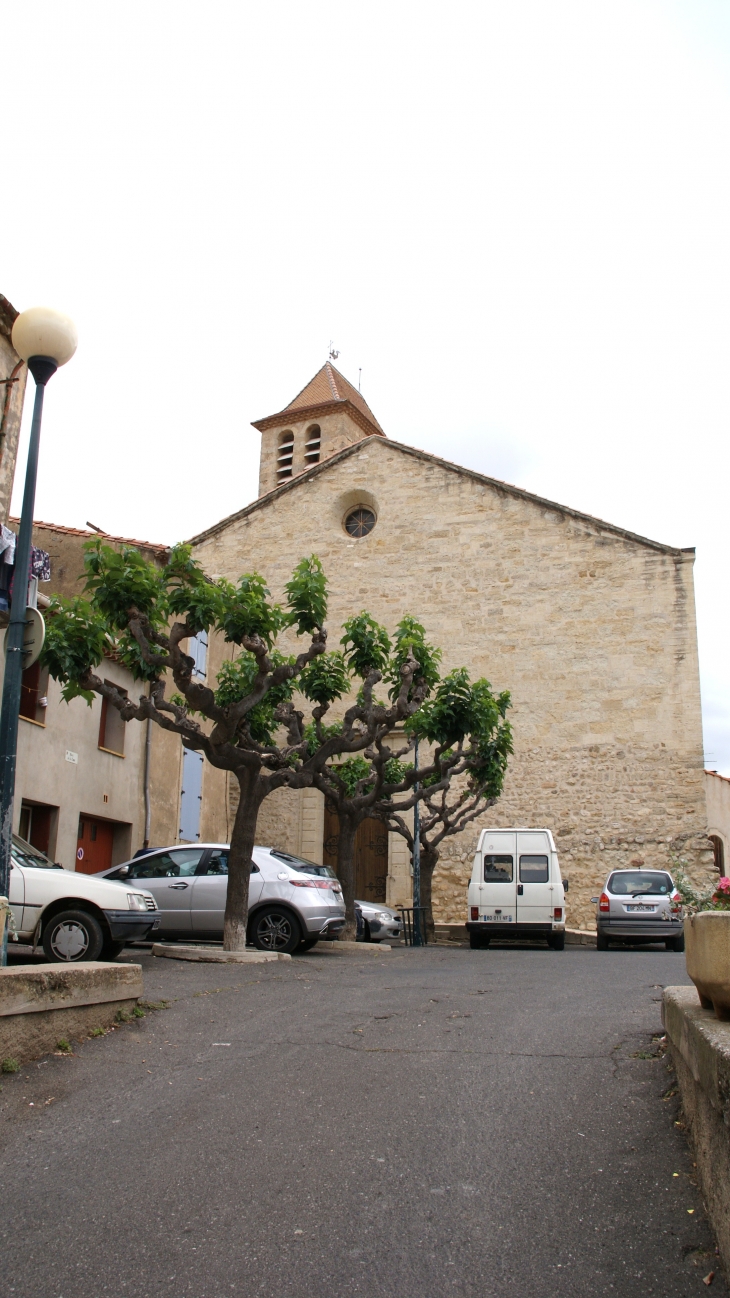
[516,890]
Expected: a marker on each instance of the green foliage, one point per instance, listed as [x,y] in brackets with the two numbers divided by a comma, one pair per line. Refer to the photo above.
[307,596]
[246,610]
[327,732]
[410,635]
[190,594]
[10,1065]
[324,679]
[76,640]
[129,653]
[395,770]
[350,772]
[367,645]
[120,580]
[447,717]
[236,681]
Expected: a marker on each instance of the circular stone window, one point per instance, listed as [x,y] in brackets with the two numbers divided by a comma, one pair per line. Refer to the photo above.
[360,521]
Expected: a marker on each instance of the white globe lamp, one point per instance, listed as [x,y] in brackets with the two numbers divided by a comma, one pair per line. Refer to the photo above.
[44,339]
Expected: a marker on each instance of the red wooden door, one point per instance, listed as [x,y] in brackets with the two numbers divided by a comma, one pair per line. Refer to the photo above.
[94,847]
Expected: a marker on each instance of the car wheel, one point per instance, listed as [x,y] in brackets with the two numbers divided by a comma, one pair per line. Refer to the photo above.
[601,942]
[276,929]
[307,943]
[71,936]
[111,950]
[366,932]
[676,943]
[557,941]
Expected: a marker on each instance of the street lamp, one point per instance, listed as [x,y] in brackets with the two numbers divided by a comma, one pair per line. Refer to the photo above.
[45,339]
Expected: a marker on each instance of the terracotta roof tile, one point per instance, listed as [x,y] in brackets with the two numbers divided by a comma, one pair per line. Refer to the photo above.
[327,388]
[106,536]
[329,385]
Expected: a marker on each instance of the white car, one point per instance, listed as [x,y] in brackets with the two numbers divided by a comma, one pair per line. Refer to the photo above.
[74,916]
[376,922]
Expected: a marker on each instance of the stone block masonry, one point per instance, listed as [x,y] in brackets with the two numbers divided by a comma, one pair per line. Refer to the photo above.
[700,1049]
[591,628]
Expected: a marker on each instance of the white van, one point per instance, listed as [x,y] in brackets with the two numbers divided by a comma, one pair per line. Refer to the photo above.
[516,889]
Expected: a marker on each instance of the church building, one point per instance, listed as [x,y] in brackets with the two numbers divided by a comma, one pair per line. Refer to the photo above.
[590,627]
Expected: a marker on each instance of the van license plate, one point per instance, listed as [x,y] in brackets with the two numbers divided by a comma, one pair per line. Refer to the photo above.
[651,909]
[497,919]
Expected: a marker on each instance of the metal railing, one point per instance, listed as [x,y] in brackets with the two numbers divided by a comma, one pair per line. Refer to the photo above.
[414,925]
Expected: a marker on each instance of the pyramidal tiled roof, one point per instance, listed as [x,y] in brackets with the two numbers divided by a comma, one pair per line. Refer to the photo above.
[327,388]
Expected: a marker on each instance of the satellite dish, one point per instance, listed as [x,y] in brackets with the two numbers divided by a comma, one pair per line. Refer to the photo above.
[33,637]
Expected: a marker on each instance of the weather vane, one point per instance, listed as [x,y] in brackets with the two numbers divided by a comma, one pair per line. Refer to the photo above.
[333,351]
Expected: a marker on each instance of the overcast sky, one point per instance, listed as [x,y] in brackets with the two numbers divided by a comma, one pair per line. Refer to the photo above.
[514,217]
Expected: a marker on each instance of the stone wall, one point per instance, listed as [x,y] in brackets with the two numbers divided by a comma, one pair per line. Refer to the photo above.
[591,628]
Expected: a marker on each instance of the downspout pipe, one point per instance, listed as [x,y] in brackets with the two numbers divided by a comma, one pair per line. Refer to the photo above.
[147,764]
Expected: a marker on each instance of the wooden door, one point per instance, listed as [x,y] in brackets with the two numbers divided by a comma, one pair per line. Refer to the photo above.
[371,855]
[94,847]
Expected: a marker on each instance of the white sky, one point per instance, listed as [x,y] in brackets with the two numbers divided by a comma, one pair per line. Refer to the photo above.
[513,216]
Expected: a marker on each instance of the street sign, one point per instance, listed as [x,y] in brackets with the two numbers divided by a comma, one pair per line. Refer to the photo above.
[33,637]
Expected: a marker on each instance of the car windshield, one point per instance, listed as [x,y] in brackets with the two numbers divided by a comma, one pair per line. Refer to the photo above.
[24,854]
[305,867]
[626,883]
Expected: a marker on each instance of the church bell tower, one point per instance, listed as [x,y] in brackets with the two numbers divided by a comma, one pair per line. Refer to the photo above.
[327,415]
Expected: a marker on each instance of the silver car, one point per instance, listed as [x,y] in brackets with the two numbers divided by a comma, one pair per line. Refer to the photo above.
[292,903]
[639,906]
[376,923]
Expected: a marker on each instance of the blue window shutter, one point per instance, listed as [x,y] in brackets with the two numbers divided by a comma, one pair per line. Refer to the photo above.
[191,795]
[198,649]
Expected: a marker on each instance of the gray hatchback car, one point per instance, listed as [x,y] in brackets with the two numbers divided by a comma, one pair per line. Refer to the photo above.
[292,903]
[639,906]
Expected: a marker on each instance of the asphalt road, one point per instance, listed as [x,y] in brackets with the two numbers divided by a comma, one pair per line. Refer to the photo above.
[421,1123]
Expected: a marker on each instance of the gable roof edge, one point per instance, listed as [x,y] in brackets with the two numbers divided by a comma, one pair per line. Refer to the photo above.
[686,553]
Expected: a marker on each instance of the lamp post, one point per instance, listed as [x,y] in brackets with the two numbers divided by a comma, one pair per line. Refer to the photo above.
[44,339]
[417,939]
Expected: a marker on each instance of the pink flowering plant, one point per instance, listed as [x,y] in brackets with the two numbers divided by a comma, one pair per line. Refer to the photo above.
[716,897]
[721,895]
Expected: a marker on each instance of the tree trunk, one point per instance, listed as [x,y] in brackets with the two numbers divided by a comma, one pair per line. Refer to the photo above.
[346,871]
[429,861]
[239,861]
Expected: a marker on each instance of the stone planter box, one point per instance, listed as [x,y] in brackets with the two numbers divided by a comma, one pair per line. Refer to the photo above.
[40,1004]
[707,948]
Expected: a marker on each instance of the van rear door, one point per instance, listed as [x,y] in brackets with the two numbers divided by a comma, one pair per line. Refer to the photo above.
[497,883]
[534,884]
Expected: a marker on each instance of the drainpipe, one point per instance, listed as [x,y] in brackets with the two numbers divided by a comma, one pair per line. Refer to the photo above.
[147,763]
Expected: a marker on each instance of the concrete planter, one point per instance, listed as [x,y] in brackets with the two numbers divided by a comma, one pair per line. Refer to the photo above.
[707,947]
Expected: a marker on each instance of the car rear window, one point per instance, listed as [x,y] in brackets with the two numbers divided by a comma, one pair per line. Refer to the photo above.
[498,869]
[534,869]
[305,867]
[626,882]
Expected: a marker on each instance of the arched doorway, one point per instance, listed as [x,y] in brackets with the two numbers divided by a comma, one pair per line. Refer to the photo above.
[718,849]
[371,855]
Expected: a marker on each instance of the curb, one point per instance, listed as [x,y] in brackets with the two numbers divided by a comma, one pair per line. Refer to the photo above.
[351,948]
[215,955]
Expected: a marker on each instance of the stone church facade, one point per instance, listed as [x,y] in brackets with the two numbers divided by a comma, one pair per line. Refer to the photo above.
[590,627]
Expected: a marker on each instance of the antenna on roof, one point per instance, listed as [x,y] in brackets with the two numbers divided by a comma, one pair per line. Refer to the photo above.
[333,351]
[359,376]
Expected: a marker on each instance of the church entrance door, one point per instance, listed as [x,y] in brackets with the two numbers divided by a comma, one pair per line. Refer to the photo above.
[371,855]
